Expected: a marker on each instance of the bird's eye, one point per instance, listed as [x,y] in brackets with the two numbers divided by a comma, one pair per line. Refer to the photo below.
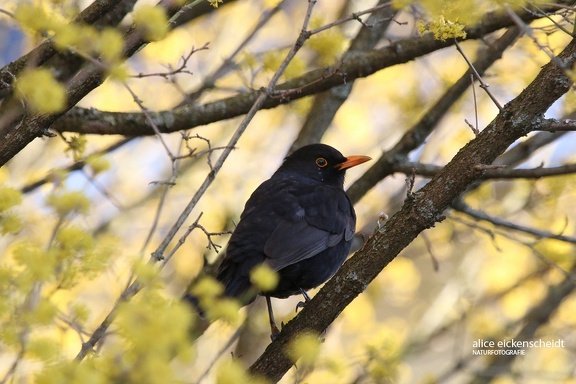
[321,162]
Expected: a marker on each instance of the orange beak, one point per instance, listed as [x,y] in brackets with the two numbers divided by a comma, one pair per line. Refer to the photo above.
[352,161]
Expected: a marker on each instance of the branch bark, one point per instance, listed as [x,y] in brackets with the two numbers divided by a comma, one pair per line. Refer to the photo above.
[421,211]
[363,64]
[18,127]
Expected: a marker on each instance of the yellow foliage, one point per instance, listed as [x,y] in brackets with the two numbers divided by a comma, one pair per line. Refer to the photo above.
[232,372]
[78,256]
[248,60]
[154,328]
[41,91]
[400,4]
[110,44]
[271,3]
[9,197]
[566,311]
[10,223]
[264,278]
[118,72]
[328,44]
[485,322]
[77,146]
[79,313]
[107,43]
[226,309]
[38,264]
[207,287]
[443,29]
[72,240]
[514,4]
[215,3]
[502,270]
[559,252]
[67,203]
[71,37]
[34,18]
[504,380]
[360,314]
[98,163]
[42,314]
[273,59]
[43,348]
[305,348]
[72,372]
[153,21]
[145,272]
[456,10]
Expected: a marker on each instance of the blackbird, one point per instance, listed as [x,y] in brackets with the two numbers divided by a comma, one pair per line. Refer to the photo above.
[300,223]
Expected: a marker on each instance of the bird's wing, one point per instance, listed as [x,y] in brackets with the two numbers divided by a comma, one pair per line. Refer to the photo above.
[318,219]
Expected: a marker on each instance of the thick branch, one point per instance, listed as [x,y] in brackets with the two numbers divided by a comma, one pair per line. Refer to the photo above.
[99,13]
[190,116]
[421,211]
[18,127]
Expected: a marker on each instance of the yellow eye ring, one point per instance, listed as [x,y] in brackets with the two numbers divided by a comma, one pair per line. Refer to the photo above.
[321,162]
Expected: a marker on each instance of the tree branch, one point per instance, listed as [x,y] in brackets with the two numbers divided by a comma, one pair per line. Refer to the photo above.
[319,80]
[460,206]
[499,172]
[416,135]
[18,127]
[326,104]
[158,254]
[419,213]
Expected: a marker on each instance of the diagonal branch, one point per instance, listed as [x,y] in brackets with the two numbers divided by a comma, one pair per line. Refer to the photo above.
[158,254]
[99,13]
[422,211]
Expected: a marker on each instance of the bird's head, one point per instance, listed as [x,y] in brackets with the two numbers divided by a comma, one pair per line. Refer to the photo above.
[320,162]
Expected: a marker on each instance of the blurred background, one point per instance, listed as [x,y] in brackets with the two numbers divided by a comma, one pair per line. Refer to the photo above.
[462,281]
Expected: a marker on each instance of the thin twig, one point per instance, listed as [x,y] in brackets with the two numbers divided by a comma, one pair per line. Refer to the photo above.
[475,129]
[158,254]
[352,17]
[178,70]
[479,215]
[209,80]
[530,33]
[483,85]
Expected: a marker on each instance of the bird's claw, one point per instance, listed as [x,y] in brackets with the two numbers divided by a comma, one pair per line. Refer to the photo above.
[300,305]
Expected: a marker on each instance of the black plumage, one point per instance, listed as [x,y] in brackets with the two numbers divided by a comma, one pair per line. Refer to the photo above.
[299,222]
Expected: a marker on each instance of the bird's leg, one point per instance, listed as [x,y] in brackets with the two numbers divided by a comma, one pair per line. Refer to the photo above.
[274,331]
[302,304]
